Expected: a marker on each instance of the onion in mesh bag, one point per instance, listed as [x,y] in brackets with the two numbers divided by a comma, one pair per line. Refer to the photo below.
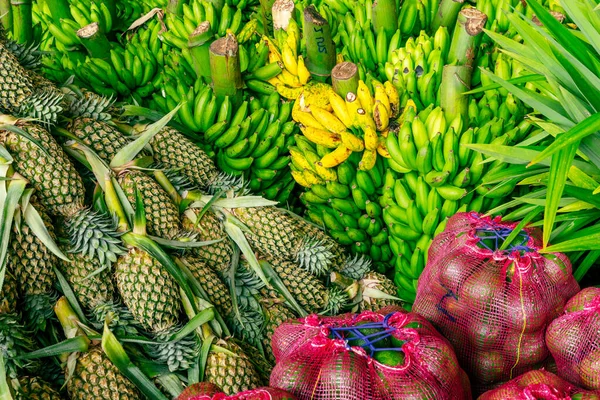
[389,354]
[493,305]
[574,339]
[210,391]
[538,385]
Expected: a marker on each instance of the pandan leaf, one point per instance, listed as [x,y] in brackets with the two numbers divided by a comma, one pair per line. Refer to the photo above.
[76,344]
[199,319]
[582,14]
[520,226]
[583,195]
[514,81]
[117,355]
[35,222]
[584,265]
[131,150]
[590,242]
[576,206]
[70,295]
[236,234]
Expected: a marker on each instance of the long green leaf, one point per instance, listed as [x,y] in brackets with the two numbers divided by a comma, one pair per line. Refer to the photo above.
[581,13]
[4,388]
[117,355]
[514,81]
[569,138]
[561,162]
[236,234]
[583,266]
[583,194]
[590,242]
[35,222]
[76,344]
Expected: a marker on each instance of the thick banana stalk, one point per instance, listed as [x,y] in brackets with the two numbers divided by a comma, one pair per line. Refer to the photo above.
[469,26]
[225,69]
[22,24]
[344,78]
[199,44]
[455,82]
[320,48]
[6,15]
[95,41]
[447,13]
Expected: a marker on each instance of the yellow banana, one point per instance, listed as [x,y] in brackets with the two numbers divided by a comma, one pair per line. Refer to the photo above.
[303,72]
[352,104]
[299,177]
[322,137]
[381,116]
[289,60]
[336,157]
[292,42]
[371,139]
[368,160]
[382,150]
[327,119]
[288,79]
[382,97]
[312,178]
[275,81]
[352,141]
[394,98]
[339,58]
[339,108]
[289,93]
[364,96]
[327,174]
[299,159]
[365,120]
[305,118]
[274,54]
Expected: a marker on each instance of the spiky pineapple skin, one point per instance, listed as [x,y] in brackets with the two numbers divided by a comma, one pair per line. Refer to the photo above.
[174,150]
[9,295]
[101,137]
[277,314]
[34,388]
[91,291]
[273,231]
[53,176]
[96,378]
[15,86]
[232,374]
[385,285]
[147,289]
[218,255]
[217,291]
[162,216]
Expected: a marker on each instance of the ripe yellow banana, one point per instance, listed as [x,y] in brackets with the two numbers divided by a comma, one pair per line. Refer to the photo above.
[274,54]
[381,116]
[326,174]
[336,157]
[394,98]
[303,72]
[368,160]
[322,137]
[299,177]
[365,97]
[305,118]
[289,60]
[382,150]
[371,139]
[327,119]
[299,159]
[365,120]
[382,97]
[352,141]
[352,104]
[339,108]
[292,42]
[288,79]
[312,178]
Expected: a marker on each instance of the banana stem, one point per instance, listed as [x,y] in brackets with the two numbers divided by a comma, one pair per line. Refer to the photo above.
[344,78]
[5,15]
[385,15]
[447,13]
[22,24]
[282,11]
[469,25]
[176,7]
[455,82]
[320,50]
[225,69]
[59,10]
[199,45]
[341,280]
[266,11]
[94,40]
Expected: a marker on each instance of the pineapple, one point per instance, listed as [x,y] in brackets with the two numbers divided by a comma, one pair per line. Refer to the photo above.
[232,373]
[86,104]
[216,291]
[32,263]
[217,256]
[34,388]
[60,189]
[14,342]
[162,215]
[8,294]
[277,314]
[104,139]
[375,280]
[275,234]
[175,151]
[95,377]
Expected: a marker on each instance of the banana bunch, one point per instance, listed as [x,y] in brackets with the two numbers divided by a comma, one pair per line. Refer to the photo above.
[357,124]
[344,200]
[416,69]
[432,176]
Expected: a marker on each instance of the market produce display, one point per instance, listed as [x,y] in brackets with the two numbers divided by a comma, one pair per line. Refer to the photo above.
[186,185]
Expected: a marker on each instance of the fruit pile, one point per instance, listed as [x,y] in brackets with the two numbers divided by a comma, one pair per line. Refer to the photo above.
[180,178]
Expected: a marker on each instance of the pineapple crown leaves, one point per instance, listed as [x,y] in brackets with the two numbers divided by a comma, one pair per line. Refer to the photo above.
[28,55]
[178,354]
[227,182]
[87,104]
[117,355]
[356,267]
[37,310]
[15,340]
[43,106]
[251,327]
[314,255]
[337,300]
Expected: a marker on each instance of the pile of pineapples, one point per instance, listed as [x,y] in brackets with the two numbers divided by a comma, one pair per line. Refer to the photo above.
[131,266]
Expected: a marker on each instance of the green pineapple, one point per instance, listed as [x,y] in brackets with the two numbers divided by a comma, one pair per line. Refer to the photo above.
[15,341]
[232,373]
[104,139]
[277,314]
[96,378]
[34,388]
[162,215]
[60,189]
[83,103]
[209,227]
[32,263]
[9,294]
[375,280]
[175,151]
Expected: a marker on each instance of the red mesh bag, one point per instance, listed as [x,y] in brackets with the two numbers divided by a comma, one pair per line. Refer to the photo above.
[493,305]
[574,339]
[539,385]
[209,391]
[329,358]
